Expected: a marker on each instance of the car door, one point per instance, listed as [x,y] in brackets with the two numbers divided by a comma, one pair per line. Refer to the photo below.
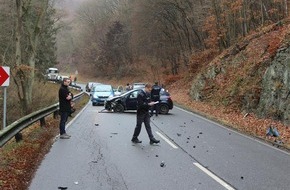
[131,101]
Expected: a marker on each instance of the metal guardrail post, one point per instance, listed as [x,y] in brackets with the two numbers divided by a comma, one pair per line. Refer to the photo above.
[55,114]
[42,122]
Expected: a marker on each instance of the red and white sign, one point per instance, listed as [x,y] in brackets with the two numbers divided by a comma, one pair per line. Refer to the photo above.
[4,76]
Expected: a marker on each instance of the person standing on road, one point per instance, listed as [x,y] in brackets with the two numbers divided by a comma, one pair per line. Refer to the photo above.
[155,96]
[65,98]
[143,105]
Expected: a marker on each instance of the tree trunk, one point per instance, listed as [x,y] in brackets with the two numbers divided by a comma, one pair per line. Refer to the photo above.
[18,32]
[25,73]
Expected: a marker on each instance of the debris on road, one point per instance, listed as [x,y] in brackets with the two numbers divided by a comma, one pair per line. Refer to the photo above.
[62,188]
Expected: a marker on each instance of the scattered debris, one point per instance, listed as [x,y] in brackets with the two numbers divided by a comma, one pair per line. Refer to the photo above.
[272,131]
[182,126]
[279,141]
[200,133]
[246,115]
[76,183]
[198,137]
[178,134]
[95,161]
[187,142]
[62,187]
[156,155]
[188,138]
[162,164]
[193,146]
[242,177]
[114,133]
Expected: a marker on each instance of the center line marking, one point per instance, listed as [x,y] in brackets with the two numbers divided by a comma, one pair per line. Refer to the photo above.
[213,176]
[167,140]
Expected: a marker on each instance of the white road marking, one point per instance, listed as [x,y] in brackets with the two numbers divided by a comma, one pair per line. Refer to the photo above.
[167,140]
[232,130]
[213,176]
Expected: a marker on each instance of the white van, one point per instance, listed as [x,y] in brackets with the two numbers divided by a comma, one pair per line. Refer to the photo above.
[52,74]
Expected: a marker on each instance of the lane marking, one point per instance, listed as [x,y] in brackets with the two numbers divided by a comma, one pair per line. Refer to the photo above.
[234,131]
[213,176]
[167,140]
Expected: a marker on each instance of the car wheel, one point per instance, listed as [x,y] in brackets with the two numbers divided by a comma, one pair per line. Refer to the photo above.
[108,106]
[119,108]
[164,109]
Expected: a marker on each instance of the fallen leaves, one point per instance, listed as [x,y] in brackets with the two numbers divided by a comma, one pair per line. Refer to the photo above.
[249,124]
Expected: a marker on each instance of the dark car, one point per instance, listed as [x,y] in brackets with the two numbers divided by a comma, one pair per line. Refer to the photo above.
[128,101]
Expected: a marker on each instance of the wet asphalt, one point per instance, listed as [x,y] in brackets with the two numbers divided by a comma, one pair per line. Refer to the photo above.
[194,153]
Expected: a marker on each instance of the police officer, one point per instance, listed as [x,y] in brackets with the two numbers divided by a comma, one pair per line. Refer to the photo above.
[155,96]
[143,105]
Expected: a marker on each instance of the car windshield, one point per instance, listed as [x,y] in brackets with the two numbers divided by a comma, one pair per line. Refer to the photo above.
[129,92]
[102,88]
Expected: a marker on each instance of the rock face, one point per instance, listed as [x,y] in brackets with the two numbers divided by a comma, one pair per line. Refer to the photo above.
[275,96]
[252,76]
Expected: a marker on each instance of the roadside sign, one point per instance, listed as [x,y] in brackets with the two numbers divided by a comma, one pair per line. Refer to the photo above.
[4,76]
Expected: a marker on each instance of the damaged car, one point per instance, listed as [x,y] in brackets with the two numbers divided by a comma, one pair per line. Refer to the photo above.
[128,101]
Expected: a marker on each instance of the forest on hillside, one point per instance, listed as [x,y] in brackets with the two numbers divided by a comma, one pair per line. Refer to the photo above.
[168,39]
[114,38]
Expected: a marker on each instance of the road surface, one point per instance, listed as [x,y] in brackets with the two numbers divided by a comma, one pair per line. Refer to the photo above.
[197,154]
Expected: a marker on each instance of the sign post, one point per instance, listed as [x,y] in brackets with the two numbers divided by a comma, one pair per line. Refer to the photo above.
[4,81]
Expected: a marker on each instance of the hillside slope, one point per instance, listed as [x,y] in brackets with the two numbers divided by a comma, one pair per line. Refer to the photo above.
[247,86]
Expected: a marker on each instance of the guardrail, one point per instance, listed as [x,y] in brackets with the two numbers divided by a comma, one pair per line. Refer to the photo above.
[16,127]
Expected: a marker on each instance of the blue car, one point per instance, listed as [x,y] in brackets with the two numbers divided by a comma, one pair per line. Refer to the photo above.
[128,101]
[100,93]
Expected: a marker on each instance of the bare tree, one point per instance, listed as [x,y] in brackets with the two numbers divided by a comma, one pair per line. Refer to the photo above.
[27,35]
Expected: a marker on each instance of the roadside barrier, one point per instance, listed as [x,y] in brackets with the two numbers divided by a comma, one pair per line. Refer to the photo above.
[14,129]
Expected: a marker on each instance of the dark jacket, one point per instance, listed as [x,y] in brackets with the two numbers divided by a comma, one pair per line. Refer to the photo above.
[64,104]
[155,92]
[142,102]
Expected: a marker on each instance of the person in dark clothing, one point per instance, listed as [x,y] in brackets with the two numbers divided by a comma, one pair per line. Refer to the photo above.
[143,105]
[155,96]
[65,98]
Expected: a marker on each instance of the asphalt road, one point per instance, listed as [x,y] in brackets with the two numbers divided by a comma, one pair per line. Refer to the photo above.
[197,154]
